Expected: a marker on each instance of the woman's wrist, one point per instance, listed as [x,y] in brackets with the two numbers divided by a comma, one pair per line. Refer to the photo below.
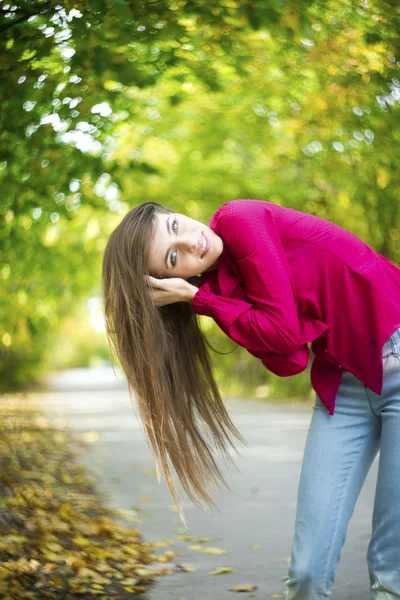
[190,292]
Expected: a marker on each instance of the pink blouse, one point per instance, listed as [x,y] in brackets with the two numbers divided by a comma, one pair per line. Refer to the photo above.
[286,279]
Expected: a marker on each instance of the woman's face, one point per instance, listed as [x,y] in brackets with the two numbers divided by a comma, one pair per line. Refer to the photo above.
[177,247]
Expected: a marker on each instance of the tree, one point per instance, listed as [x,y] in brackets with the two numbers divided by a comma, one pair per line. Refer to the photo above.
[107,103]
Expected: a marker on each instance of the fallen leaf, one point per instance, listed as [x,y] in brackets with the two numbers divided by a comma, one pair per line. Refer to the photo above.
[129,581]
[207,550]
[49,567]
[162,543]
[183,568]
[90,436]
[193,538]
[81,541]
[149,472]
[222,570]
[128,515]
[143,572]
[144,499]
[243,587]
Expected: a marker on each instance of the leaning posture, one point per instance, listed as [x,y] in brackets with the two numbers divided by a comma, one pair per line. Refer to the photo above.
[281,283]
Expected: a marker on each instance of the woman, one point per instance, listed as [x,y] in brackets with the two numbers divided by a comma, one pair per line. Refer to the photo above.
[275,280]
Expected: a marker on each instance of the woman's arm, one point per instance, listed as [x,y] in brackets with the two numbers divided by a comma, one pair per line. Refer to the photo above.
[269,321]
[285,365]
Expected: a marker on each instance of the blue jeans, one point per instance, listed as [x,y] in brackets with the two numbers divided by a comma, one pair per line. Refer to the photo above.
[339,452]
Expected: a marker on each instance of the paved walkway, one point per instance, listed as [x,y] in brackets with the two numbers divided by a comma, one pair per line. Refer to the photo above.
[256,519]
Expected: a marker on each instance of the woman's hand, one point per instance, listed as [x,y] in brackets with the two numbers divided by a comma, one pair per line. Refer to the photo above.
[170,290]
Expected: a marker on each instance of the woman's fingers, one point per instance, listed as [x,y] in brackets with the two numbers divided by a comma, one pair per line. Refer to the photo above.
[153,281]
[155,293]
[166,291]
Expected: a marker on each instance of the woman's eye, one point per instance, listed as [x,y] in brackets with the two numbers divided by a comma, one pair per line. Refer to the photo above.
[173,260]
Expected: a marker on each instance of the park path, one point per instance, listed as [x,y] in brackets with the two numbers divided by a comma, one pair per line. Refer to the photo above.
[256,519]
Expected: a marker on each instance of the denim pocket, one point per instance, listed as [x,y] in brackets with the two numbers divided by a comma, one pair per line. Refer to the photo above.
[394,341]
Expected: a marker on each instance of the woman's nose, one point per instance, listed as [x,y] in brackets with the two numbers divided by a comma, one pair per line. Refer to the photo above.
[187,243]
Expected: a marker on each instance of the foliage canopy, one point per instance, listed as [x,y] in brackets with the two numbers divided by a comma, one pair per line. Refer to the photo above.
[107,103]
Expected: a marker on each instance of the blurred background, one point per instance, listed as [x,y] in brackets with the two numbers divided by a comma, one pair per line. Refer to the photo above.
[106,104]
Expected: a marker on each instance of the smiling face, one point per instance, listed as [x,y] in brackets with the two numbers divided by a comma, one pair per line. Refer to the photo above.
[182,247]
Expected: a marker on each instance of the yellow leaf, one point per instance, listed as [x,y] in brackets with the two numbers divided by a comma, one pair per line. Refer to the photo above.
[128,515]
[74,562]
[81,541]
[91,437]
[55,557]
[49,567]
[165,557]
[290,19]
[66,512]
[383,177]
[185,569]
[54,547]
[130,581]
[162,543]
[10,543]
[344,199]
[243,587]
[142,572]
[103,567]
[332,69]
[97,586]
[193,538]
[85,572]
[207,550]
[4,572]
[222,570]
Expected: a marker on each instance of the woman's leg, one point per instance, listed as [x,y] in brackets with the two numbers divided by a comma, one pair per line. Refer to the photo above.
[384,548]
[338,454]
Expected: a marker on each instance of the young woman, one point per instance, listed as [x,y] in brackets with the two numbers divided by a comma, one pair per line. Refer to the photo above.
[274,280]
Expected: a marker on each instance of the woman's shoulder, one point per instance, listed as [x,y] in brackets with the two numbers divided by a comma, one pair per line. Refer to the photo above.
[254,216]
[253,208]
[246,225]
[241,206]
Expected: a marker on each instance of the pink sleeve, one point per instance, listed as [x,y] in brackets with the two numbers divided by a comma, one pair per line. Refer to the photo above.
[282,364]
[286,365]
[268,321]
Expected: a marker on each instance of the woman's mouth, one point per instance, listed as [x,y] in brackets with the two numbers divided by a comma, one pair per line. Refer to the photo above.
[205,245]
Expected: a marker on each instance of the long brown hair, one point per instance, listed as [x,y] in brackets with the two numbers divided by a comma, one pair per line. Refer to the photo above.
[164,355]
